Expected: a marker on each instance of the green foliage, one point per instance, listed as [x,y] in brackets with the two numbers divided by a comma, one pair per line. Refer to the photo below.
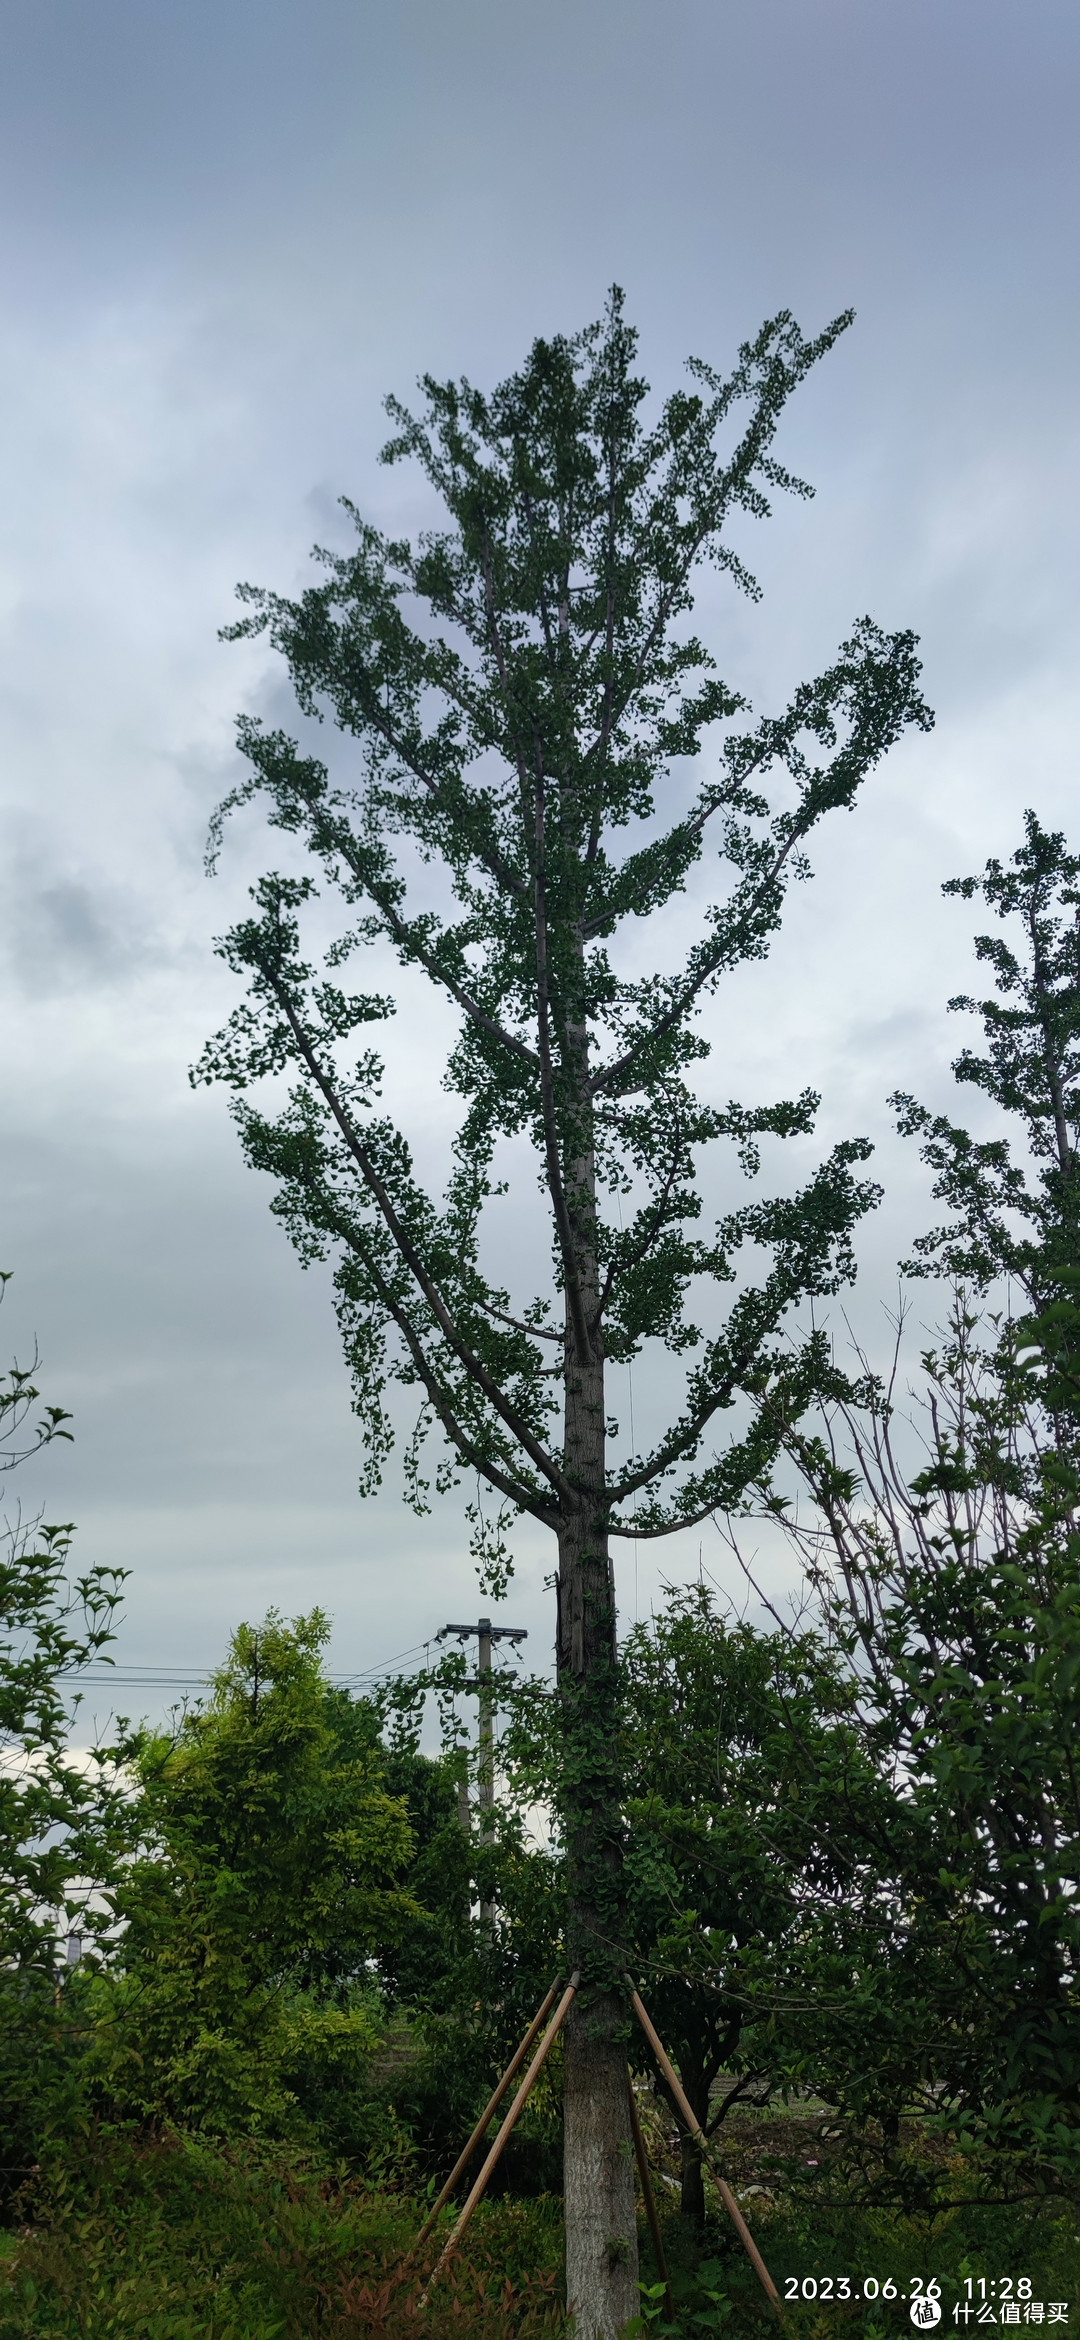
[762,1829]
[241,1997]
[55,1810]
[480,1977]
[971,2241]
[62,1816]
[524,735]
[752,1803]
[954,1587]
[183,2240]
[414,1960]
[699,2309]
[1048,1344]
[179,2239]
[1004,1221]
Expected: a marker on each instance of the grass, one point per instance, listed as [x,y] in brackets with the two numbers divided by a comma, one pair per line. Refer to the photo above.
[178,2240]
[792,2171]
[973,2254]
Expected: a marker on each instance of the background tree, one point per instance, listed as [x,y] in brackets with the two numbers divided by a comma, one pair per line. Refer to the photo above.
[1005,1223]
[19,1393]
[62,1819]
[1015,1218]
[415,1962]
[761,1838]
[754,1851]
[241,1995]
[952,1577]
[496,1890]
[526,697]
[955,1591]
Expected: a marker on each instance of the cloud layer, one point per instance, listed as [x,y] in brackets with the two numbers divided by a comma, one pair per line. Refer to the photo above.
[232,228]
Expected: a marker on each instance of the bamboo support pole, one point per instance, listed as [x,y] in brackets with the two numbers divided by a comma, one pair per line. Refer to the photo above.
[696,2130]
[490,2109]
[650,2198]
[480,2185]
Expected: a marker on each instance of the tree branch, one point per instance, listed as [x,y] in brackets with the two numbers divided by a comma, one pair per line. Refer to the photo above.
[404,935]
[639,1251]
[610,1078]
[467,1358]
[515,1491]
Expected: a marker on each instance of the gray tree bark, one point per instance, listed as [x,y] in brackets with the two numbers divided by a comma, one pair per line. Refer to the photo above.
[601,2222]
[598,2162]
[598,2165]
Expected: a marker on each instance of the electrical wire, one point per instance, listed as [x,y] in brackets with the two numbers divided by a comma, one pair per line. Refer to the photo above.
[155,1677]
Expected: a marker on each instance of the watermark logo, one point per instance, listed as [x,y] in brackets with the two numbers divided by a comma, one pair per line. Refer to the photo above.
[925,2313]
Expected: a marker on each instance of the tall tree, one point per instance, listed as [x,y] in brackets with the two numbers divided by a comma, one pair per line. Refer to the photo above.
[526,696]
[954,1585]
[953,1590]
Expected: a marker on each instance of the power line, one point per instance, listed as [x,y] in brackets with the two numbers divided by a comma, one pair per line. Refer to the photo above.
[129,1676]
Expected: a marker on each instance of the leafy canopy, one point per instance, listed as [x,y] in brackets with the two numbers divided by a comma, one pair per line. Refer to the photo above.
[265,1847]
[528,699]
[1018,1217]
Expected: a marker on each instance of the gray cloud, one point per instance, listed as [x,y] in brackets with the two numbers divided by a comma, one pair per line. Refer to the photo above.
[64,934]
[231,228]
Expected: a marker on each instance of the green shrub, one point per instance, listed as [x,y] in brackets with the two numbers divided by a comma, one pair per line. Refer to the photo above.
[180,2239]
[264,1849]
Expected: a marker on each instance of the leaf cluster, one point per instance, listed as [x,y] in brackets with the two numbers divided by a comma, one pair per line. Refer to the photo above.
[525,703]
[1015,1215]
[267,1879]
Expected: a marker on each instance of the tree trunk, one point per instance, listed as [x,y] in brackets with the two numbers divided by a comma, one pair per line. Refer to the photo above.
[598,2176]
[598,2159]
[598,2166]
[692,2197]
[692,2200]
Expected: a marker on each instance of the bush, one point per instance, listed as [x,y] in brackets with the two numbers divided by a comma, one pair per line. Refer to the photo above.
[180,2239]
[264,1851]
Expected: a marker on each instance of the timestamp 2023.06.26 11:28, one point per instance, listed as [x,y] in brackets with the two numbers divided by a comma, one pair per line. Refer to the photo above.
[983,2300]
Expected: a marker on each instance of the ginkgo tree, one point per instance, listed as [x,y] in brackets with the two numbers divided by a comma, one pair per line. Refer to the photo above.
[525,697]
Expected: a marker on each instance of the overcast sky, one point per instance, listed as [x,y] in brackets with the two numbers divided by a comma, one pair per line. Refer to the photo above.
[231,227]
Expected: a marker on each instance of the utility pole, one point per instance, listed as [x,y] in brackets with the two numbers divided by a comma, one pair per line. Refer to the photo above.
[486,1633]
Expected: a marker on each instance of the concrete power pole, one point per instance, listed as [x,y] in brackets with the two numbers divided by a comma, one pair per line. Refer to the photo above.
[486,1633]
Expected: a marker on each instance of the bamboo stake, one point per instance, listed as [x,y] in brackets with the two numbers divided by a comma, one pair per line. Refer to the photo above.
[490,2109]
[650,2198]
[696,2130]
[518,2106]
